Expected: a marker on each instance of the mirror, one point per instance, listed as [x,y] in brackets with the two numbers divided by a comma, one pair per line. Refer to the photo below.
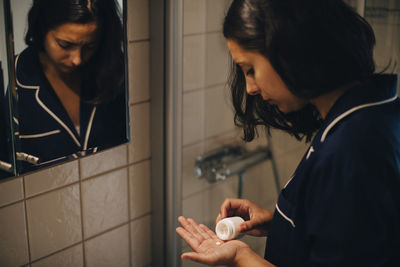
[70,94]
[7,158]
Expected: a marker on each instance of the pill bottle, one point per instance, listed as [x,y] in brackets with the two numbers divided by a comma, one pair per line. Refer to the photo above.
[227,229]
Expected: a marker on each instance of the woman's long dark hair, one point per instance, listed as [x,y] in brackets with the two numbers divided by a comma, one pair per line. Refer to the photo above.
[316,46]
[103,74]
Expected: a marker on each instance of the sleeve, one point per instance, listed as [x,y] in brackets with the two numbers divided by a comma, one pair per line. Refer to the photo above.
[353,209]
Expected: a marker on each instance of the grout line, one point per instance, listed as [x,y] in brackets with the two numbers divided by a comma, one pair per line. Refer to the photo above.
[206,87]
[26,221]
[81,211]
[93,237]
[117,226]
[129,209]
[12,203]
[140,102]
[56,252]
[77,182]
[210,138]
[138,41]
[202,33]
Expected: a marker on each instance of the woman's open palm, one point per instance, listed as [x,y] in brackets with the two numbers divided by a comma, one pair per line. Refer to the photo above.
[208,248]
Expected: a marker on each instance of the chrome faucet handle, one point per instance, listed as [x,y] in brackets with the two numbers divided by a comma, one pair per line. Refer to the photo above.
[5,166]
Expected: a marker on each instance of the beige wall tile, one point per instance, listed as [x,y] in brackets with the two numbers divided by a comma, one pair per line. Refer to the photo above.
[384,45]
[287,164]
[191,183]
[195,206]
[139,69]
[138,20]
[109,249]
[218,111]
[104,161]
[259,184]
[217,59]
[194,16]
[71,257]
[193,117]
[51,178]
[217,194]
[54,221]
[141,242]
[194,64]
[139,147]
[104,202]
[283,143]
[139,183]
[11,191]
[216,10]
[13,238]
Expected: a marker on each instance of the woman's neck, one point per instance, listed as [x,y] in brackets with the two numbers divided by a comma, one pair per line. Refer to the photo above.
[70,79]
[324,103]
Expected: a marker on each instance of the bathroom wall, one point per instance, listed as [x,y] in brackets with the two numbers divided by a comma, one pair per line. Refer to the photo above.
[208,122]
[94,211]
[384,17]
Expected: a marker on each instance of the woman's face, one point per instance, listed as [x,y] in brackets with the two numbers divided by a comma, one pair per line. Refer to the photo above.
[71,45]
[261,78]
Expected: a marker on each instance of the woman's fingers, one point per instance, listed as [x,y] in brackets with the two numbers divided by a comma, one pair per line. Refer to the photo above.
[190,226]
[201,233]
[193,230]
[246,226]
[207,230]
[190,239]
[234,206]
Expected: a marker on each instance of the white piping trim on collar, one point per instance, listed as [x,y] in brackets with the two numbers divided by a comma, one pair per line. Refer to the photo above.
[335,121]
[37,88]
[40,135]
[284,215]
[89,128]
[57,119]
[288,182]
[16,78]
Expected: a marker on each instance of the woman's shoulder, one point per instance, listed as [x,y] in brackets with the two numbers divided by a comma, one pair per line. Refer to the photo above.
[27,67]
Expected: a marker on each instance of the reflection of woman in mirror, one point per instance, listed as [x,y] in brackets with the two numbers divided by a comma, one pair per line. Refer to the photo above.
[70,79]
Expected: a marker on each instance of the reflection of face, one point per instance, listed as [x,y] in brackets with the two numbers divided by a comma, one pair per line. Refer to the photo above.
[261,78]
[70,45]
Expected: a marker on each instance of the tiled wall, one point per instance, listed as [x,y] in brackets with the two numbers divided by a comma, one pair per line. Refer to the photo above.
[94,211]
[208,122]
[384,17]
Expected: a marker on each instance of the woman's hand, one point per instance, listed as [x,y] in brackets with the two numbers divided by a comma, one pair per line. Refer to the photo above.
[208,248]
[256,219]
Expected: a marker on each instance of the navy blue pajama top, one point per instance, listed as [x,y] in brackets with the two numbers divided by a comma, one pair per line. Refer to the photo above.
[342,205]
[45,129]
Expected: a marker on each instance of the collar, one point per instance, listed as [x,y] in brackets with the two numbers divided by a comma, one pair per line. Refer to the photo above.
[28,68]
[380,89]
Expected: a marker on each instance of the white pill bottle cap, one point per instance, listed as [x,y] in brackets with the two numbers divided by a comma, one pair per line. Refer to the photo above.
[227,229]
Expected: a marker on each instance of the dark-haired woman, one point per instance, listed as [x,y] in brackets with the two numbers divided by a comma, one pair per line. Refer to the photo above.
[307,67]
[70,80]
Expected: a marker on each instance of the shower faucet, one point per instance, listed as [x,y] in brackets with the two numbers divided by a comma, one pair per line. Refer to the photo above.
[220,163]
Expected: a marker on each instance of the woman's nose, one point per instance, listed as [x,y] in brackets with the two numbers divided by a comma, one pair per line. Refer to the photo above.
[76,57]
[252,88]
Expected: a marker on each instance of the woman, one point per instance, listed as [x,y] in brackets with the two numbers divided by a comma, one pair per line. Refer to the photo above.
[308,69]
[70,80]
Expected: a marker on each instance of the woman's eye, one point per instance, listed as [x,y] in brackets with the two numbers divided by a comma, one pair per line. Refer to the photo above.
[250,72]
[64,45]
